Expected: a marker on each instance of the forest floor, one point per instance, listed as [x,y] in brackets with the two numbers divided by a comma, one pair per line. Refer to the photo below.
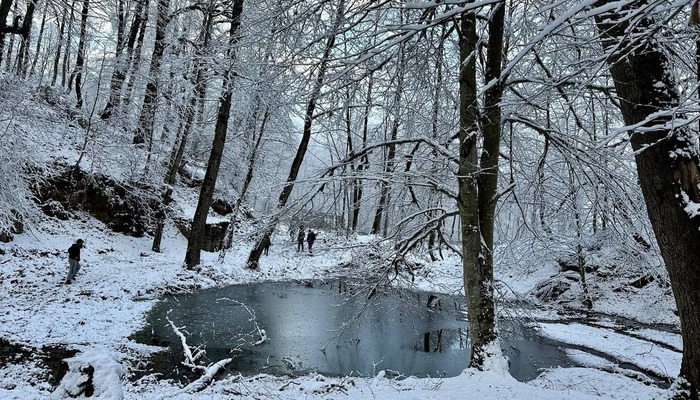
[89,323]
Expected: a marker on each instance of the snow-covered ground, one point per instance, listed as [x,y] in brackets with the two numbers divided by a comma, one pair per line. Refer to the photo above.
[121,279]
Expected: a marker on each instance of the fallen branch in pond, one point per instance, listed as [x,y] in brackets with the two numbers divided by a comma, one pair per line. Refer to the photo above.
[259,331]
[190,358]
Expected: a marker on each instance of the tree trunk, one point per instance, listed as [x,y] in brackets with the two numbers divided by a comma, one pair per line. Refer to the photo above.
[667,163]
[478,179]
[65,67]
[59,46]
[39,39]
[199,221]
[11,45]
[178,152]
[250,171]
[357,185]
[80,60]
[389,162]
[5,6]
[144,130]
[256,252]
[23,54]
[122,58]
[135,59]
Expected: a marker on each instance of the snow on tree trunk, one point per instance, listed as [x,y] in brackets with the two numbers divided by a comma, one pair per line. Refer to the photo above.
[264,239]
[194,242]
[478,179]
[144,130]
[667,161]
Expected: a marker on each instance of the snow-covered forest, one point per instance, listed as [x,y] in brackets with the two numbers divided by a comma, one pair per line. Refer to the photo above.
[537,159]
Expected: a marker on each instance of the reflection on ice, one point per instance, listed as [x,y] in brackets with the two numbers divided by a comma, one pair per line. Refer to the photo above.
[331,327]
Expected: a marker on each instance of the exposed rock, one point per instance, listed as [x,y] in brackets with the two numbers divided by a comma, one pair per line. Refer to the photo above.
[213,233]
[17,228]
[50,356]
[124,207]
[221,207]
[642,281]
[570,263]
[551,289]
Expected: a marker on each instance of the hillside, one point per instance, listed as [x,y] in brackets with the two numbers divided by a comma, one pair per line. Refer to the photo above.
[69,183]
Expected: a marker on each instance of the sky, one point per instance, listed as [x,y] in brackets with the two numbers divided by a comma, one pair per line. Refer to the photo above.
[121,280]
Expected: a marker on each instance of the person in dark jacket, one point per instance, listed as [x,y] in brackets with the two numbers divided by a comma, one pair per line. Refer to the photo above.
[74,260]
[310,238]
[266,246]
[300,238]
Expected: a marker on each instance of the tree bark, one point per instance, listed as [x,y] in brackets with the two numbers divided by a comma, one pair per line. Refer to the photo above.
[250,172]
[194,243]
[389,162]
[23,54]
[39,39]
[59,45]
[357,185]
[124,53]
[178,152]
[144,130]
[80,59]
[11,44]
[256,252]
[135,59]
[478,181]
[667,164]
[65,67]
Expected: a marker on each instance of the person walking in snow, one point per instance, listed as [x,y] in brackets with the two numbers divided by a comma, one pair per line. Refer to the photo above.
[300,238]
[266,246]
[311,237]
[74,260]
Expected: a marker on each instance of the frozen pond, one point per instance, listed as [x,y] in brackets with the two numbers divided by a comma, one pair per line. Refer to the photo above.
[333,328]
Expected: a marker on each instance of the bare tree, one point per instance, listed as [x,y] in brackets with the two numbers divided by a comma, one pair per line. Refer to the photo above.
[65,66]
[264,239]
[40,38]
[187,122]
[124,54]
[668,163]
[389,161]
[80,59]
[23,54]
[196,236]
[478,178]
[144,129]
[59,42]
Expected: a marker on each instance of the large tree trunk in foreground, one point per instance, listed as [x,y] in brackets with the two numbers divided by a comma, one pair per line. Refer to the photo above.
[478,179]
[667,164]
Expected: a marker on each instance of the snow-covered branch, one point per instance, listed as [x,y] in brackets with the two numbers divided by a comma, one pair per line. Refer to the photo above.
[190,356]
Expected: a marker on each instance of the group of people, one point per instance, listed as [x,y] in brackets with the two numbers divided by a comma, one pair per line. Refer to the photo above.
[310,237]
[74,250]
[302,236]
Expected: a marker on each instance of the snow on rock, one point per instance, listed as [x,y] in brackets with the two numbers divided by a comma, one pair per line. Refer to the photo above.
[93,374]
